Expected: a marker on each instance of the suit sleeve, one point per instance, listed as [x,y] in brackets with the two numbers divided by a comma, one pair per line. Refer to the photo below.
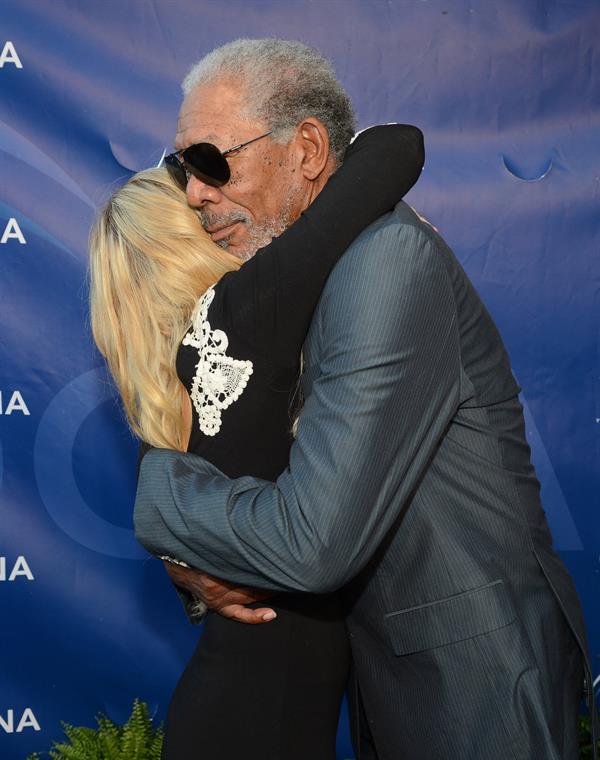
[388,390]
[271,299]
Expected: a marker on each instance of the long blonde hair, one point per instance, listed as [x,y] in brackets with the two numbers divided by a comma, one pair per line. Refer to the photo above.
[150,261]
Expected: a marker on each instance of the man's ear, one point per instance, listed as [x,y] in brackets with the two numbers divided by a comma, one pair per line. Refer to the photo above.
[312,148]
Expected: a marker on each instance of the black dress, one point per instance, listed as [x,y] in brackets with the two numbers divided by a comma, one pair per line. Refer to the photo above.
[273,691]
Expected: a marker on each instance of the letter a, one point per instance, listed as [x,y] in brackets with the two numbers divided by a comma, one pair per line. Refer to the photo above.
[12,230]
[21,568]
[17,404]
[10,55]
[28,721]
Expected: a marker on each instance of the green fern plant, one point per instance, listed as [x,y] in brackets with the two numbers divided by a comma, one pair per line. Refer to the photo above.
[585,738]
[136,740]
[139,740]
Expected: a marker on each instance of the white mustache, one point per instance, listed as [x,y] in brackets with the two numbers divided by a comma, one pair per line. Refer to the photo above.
[222,220]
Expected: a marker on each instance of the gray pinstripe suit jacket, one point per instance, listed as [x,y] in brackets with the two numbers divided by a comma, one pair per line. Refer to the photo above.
[410,487]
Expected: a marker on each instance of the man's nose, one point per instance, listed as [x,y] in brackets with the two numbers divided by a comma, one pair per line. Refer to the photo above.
[198,193]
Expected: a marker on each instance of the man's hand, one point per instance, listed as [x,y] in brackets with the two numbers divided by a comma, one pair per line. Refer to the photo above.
[221,596]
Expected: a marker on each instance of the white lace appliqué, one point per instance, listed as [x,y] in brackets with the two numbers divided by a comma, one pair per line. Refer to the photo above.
[220,379]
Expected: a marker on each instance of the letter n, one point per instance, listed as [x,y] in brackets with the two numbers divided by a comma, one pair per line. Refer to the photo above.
[9,724]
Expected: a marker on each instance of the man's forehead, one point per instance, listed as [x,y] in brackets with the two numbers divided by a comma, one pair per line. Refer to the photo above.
[197,132]
[197,123]
[209,114]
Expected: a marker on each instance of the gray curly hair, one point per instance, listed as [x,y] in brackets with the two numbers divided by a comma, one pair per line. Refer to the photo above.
[286,82]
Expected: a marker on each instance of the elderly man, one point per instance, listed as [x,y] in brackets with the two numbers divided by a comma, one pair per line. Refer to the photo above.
[409,486]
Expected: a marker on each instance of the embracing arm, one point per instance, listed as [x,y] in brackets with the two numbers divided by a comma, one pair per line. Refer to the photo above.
[271,298]
[388,389]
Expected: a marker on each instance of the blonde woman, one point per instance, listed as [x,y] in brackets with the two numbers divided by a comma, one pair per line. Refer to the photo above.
[206,354]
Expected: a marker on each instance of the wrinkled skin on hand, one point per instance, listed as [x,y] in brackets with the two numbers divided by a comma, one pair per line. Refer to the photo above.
[222,597]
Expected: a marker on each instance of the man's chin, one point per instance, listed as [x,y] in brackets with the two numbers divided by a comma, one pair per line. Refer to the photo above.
[244,241]
[240,250]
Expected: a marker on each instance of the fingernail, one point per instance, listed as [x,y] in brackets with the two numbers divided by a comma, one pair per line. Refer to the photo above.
[269,615]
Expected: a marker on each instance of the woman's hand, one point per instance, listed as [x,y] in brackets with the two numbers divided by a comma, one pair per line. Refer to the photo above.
[221,596]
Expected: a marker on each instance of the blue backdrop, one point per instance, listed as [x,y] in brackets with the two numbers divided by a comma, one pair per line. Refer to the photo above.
[508,95]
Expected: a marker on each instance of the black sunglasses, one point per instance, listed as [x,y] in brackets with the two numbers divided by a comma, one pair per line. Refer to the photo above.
[205,161]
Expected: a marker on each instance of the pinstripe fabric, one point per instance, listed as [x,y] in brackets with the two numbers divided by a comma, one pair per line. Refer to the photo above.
[410,485]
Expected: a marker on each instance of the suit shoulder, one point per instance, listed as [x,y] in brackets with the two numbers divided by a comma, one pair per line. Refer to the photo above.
[405,215]
[396,256]
[398,236]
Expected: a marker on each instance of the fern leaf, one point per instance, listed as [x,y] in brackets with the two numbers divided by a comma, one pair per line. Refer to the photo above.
[109,739]
[155,749]
[136,733]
